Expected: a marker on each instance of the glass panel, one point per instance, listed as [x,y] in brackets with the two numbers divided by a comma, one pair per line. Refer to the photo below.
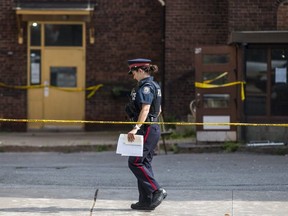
[279,94]
[216,78]
[216,100]
[63,76]
[35,34]
[35,67]
[63,35]
[256,71]
[215,58]
[256,82]
[255,105]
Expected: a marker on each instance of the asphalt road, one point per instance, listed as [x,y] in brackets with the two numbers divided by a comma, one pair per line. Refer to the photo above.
[49,183]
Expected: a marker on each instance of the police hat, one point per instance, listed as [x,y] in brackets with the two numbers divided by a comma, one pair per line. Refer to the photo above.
[136,63]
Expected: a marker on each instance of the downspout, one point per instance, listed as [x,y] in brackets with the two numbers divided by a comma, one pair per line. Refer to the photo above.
[244,119]
[162,2]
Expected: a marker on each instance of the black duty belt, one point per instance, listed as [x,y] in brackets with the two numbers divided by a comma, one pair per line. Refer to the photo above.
[152,119]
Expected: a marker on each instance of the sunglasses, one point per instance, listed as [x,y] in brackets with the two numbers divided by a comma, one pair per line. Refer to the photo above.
[133,69]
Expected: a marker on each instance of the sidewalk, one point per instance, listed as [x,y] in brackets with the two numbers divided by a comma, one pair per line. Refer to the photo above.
[57,141]
[68,141]
[75,141]
[197,203]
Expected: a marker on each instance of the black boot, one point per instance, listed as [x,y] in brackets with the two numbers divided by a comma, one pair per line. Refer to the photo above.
[158,197]
[142,206]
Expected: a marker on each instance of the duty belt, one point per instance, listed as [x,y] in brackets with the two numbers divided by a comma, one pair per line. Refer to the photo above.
[152,119]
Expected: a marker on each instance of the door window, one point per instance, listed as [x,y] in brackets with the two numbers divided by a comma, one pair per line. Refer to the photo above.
[35,67]
[63,35]
[63,77]
[216,100]
[215,59]
[216,78]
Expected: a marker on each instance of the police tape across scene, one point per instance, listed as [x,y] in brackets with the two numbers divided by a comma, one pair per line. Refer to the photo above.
[131,123]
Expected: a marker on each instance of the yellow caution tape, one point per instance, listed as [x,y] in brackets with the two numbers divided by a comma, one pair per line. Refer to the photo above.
[93,89]
[20,87]
[216,78]
[161,123]
[206,85]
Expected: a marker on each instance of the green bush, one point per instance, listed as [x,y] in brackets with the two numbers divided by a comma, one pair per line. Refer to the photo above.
[231,146]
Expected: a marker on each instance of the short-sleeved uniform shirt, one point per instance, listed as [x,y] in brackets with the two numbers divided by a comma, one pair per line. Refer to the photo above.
[145,94]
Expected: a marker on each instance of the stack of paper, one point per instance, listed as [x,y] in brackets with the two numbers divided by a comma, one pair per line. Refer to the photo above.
[126,148]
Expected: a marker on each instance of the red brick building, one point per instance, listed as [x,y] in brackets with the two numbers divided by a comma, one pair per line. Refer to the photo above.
[170,34]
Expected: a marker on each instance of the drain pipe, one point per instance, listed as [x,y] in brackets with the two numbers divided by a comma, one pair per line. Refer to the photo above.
[163,4]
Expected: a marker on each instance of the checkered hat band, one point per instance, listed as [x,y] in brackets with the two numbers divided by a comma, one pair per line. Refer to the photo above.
[138,65]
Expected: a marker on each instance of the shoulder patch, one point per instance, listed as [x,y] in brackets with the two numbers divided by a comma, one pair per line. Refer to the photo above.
[146,90]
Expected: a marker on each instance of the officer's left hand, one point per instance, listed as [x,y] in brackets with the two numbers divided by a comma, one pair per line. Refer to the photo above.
[131,134]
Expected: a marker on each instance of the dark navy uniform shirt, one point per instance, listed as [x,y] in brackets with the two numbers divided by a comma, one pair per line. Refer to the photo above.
[147,92]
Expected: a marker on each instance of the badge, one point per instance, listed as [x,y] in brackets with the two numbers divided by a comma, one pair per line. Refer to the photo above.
[133,94]
[146,90]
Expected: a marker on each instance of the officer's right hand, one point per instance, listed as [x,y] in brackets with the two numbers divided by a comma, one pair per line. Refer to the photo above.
[131,134]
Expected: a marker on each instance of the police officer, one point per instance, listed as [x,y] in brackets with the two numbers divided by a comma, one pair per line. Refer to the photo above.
[145,106]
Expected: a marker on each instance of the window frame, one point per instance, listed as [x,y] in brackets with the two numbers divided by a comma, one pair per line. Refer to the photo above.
[268,117]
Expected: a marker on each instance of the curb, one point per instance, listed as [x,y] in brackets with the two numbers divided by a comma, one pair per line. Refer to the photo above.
[171,147]
[61,149]
[218,148]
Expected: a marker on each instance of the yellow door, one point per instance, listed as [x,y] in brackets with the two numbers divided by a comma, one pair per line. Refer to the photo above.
[63,71]
[56,62]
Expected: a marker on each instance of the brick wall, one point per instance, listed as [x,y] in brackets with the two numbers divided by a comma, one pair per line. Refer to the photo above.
[282,17]
[125,29]
[12,69]
[258,15]
[189,24]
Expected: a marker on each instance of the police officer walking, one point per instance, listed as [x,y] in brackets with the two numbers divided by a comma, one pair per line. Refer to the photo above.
[145,106]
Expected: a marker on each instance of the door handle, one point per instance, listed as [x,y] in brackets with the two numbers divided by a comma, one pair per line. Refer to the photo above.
[198,100]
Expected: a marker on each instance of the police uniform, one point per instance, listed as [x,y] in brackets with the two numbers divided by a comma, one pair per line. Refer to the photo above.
[147,92]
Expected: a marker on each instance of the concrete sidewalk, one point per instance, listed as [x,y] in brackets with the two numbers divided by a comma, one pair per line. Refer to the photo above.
[195,203]
[69,141]
[75,141]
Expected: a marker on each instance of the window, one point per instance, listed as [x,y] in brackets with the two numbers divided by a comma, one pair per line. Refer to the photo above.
[266,81]
[215,59]
[216,100]
[35,67]
[63,35]
[35,31]
[216,78]
[279,86]
[64,77]
[256,81]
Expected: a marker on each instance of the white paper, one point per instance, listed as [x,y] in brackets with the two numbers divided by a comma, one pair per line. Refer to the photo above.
[281,75]
[126,148]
